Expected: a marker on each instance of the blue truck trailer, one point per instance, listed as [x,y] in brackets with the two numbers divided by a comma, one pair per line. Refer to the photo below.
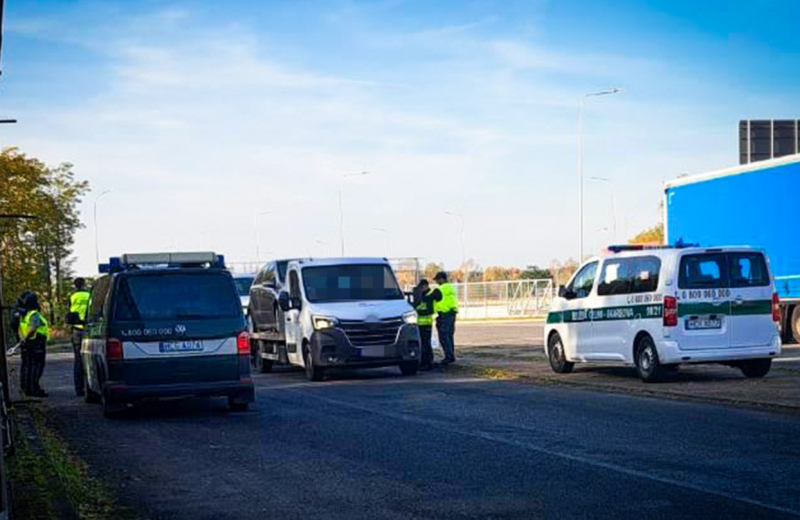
[755,205]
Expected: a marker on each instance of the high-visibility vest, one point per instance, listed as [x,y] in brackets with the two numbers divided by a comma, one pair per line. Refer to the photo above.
[79,304]
[24,324]
[449,302]
[425,313]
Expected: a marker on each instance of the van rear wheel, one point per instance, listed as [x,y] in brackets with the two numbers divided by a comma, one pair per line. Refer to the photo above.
[237,405]
[557,356]
[111,409]
[756,368]
[648,365]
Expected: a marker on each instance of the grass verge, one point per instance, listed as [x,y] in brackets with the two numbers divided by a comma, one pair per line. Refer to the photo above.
[49,482]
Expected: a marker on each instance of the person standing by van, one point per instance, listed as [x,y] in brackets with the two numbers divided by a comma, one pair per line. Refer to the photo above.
[423,304]
[446,307]
[78,304]
[33,332]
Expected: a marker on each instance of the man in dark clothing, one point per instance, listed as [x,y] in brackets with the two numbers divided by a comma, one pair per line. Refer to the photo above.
[33,332]
[446,307]
[25,359]
[78,305]
[423,304]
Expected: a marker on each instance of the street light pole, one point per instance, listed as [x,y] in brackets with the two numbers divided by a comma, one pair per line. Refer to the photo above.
[580,157]
[96,244]
[613,205]
[341,210]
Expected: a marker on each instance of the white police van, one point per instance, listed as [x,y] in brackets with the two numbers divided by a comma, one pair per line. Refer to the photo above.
[658,307]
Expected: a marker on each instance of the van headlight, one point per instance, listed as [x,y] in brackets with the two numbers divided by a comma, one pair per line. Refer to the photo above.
[324,322]
[410,318]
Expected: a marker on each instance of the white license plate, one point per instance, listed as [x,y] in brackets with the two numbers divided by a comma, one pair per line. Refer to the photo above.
[703,323]
[379,351]
[180,346]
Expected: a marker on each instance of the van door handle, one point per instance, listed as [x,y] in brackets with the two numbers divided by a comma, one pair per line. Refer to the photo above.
[739,300]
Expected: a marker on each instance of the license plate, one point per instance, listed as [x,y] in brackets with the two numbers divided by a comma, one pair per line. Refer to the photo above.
[703,323]
[379,351]
[180,346]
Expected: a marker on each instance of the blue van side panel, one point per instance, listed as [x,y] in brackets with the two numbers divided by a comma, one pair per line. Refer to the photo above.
[756,208]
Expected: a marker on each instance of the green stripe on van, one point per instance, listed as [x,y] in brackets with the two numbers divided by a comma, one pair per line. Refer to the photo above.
[746,308]
[624,312]
[648,311]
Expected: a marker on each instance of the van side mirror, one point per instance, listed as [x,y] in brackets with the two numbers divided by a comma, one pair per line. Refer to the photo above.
[564,292]
[284,302]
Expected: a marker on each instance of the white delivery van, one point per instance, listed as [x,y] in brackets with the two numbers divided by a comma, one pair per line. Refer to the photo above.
[657,308]
[347,313]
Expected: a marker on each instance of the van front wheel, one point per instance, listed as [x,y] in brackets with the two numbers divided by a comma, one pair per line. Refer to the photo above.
[313,373]
[756,368]
[648,365]
[557,356]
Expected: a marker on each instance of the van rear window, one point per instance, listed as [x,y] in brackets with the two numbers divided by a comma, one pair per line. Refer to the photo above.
[703,271]
[177,296]
[748,270]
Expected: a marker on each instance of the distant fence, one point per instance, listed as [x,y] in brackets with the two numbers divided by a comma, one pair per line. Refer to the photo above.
[505,299]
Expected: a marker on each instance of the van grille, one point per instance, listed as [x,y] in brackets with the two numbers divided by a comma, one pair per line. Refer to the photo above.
[364,334]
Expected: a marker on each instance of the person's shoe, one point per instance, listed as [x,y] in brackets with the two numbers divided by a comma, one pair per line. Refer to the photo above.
[447,361]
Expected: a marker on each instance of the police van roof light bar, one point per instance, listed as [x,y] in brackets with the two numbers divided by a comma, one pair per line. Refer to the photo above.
[680,244]
[170,260]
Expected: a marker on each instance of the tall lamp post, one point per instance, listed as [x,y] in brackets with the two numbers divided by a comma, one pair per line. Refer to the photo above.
[341,210]
[613,205]
[580,156]
[96,244]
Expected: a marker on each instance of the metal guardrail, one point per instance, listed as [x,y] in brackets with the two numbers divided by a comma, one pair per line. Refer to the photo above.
[504,299]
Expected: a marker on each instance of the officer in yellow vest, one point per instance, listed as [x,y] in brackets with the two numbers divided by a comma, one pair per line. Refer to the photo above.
[78,305]
[423,304]
[446,307]
[33,332]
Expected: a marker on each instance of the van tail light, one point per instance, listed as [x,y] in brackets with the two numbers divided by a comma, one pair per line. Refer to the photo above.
[243,344]
[670,311]
[113,349]
[776,308]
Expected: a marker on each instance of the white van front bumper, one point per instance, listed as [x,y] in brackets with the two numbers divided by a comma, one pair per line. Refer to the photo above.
[670,353]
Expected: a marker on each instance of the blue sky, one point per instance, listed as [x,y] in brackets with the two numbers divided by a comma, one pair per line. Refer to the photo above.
[200,115]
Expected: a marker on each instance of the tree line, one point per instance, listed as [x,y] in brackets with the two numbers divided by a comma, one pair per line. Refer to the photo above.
[36,252]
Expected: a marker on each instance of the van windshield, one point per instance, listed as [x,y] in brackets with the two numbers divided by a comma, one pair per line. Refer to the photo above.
[177,296]
[243,284]
[339,283]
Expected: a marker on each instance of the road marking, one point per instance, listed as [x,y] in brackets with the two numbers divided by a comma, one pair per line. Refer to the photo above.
[786,359]
[444,426]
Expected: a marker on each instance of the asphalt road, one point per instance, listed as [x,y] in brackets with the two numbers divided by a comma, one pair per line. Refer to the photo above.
[374,445]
